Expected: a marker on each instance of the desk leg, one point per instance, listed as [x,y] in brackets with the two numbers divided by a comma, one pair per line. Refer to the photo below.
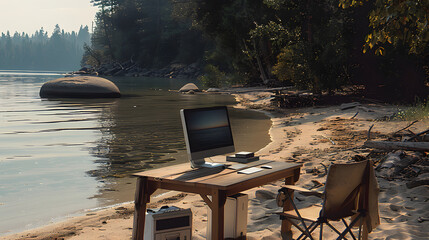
[286,226]
[143,191]
[218,204]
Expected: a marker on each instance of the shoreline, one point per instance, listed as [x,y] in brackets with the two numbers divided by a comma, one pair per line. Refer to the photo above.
[312,136]
[77,216]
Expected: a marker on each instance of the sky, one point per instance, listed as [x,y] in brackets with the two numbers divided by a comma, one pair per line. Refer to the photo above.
[30,15]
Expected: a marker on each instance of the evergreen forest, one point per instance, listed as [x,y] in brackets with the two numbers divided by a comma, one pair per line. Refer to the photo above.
[320,45]
[59,51]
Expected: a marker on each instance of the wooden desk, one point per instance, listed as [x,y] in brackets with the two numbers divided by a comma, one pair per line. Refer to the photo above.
[218,184]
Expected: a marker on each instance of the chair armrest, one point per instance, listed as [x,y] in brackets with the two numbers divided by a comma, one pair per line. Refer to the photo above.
[305,192]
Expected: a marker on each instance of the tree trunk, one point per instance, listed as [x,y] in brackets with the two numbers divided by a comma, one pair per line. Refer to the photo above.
[260,66]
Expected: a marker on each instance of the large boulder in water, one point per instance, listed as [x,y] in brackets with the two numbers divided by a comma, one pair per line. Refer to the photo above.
[189,87]
[80,87]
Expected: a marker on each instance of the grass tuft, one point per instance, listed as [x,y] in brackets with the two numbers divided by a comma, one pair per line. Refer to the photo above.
[420,111]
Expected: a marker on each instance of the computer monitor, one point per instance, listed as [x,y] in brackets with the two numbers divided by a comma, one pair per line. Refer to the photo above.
[207,133]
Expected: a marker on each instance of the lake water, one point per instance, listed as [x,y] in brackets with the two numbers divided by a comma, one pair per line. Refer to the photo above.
[61,157]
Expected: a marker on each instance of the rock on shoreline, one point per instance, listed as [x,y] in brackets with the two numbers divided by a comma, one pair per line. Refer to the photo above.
[79,87]
[190,87]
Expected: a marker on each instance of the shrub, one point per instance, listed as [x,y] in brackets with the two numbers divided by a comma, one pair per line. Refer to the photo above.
[420,111]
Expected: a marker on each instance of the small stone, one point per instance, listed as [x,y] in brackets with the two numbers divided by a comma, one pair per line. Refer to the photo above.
[188,87]
[213,90]
[395,208]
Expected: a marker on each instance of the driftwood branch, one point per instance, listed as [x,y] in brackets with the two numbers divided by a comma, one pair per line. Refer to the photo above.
[409,125]
[387,145]
[355,115]
[325,167]
[369,132]
[333,143]
[120,65]
[417,135]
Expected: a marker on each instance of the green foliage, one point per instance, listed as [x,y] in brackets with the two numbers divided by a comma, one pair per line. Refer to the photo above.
[420,111]
[146,32]
[292,67]
[274,31]
[215,78]
[229,24]
[275,4]
[92,57]
[301,42]
[396,22]
[315,50]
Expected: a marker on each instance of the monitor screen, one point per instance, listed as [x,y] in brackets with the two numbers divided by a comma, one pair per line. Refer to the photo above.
[207,132]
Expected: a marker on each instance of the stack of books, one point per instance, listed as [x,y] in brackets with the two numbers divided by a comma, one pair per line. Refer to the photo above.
[242,157]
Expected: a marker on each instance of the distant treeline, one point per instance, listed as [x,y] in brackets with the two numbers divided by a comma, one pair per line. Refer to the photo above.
[59,51]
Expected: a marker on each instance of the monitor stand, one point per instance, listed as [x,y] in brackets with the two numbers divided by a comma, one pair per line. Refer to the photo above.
[201,163]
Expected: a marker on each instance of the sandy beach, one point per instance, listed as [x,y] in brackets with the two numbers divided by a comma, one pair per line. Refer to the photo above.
[315,137]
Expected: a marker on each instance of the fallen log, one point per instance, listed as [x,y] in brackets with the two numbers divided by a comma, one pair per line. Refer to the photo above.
[387,145]
[389,166]
[346,106]
[417,183]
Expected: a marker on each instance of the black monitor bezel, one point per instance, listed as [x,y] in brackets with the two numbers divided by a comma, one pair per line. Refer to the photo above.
[197,156]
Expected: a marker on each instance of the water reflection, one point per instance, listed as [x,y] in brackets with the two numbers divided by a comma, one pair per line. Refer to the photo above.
[144,132]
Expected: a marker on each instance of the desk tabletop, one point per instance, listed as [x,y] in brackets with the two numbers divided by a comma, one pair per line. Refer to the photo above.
[224,179]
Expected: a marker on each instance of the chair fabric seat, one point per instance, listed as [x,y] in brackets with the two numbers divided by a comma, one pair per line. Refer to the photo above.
[308,214]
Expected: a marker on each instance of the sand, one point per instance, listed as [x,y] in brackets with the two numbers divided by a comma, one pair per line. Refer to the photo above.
[315,137]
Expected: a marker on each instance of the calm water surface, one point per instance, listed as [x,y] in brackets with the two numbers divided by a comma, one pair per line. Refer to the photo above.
[60,157]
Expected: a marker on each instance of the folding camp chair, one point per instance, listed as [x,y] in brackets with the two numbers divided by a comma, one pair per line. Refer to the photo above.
[351,190]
